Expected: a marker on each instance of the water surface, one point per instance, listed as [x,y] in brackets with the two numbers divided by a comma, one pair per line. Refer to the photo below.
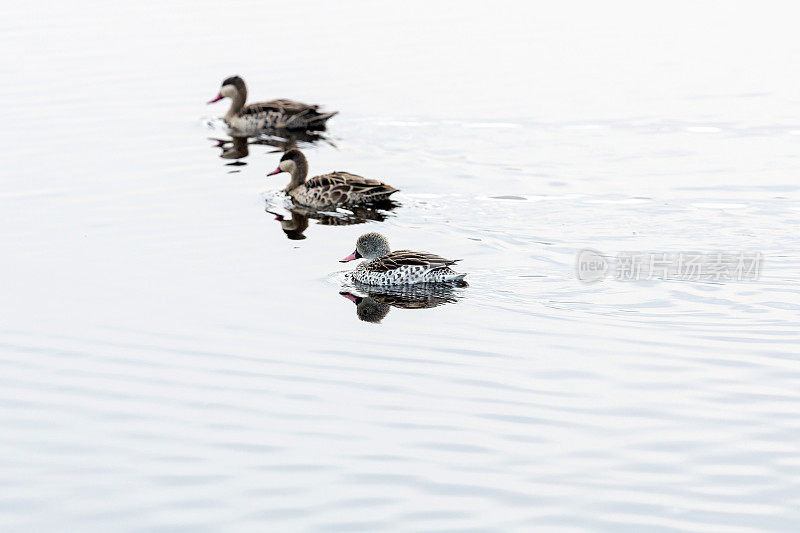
[172,361]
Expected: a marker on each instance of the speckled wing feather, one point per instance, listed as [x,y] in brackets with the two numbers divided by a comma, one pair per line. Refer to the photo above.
[287,107]
[351,184]
[400,258]
[294,114]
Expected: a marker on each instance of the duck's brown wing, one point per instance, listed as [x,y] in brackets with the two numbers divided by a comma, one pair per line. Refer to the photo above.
[351,184]
[400,258]
[296,113]
[282,105]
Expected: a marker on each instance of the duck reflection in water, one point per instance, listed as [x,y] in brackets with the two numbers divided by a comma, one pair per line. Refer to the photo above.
[373,303]
[237,148]
[296,222]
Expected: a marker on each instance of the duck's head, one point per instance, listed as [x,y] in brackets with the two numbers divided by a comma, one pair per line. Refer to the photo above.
[369,246]
[232,88]
[291,162]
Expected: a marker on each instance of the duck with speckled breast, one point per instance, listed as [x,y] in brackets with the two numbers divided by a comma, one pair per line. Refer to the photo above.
[401,267]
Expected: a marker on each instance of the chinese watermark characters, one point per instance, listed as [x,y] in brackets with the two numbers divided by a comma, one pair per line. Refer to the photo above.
[591,265]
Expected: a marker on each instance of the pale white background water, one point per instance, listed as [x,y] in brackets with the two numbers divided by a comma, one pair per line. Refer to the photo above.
[171,362]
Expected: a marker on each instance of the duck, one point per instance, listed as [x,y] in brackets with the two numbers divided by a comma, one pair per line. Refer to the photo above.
[278,114]
[329,190]
[402,267]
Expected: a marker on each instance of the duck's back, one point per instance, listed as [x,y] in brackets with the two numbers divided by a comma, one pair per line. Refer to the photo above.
[282,114]
[341,188]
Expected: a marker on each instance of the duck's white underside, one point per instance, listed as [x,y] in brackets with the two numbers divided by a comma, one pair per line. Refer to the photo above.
[406,275]
[253,124]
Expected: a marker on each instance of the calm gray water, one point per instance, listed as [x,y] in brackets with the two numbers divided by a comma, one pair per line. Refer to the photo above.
[172,362]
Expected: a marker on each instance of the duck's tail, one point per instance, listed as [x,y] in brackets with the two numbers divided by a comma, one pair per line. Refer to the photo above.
[318,121]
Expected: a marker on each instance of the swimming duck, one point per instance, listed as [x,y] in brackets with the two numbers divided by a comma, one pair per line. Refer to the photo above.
[401,267]
[275,114]
[327,190]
